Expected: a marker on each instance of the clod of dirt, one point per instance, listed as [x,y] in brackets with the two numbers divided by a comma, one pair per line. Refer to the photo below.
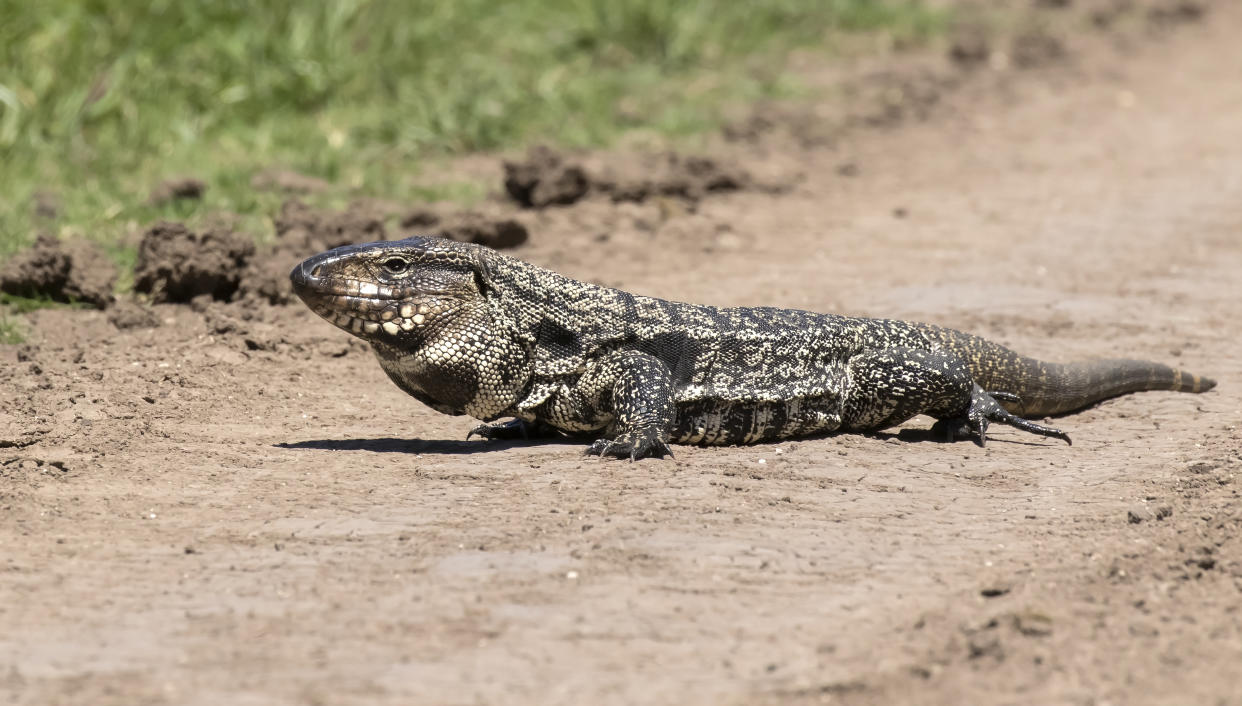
[128,314]
[267,277]
[673,174]
[545,179]
[1138,514]
[996,589]
[970,47]
[988,639]
[176,264]
[1203,467]
[246,328]
[287,181]
[201,303]
[64,271]
[309,230]
[468,227]
[420,218]
[178,188]
[18,463]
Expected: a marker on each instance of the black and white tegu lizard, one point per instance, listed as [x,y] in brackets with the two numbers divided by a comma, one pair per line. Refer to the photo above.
[468,330]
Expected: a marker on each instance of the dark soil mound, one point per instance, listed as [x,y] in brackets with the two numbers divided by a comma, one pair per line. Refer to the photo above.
[309,230]
[673,174]
[494,231]
[544,179]
[477,228]
[64,271]
[178,188]
[176,264]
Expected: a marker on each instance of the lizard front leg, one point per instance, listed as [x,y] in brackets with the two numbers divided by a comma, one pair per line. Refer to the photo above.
[636,389]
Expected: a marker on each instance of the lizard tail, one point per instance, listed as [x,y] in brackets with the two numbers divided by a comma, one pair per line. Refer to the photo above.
[1046,389]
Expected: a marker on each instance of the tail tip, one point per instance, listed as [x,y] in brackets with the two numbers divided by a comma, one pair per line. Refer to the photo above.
[1202,384]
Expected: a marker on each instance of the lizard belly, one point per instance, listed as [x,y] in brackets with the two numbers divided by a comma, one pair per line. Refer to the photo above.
[721,422]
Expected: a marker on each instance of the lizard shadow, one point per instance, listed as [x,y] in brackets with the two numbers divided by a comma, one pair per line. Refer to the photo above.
[416,446]
[451,447]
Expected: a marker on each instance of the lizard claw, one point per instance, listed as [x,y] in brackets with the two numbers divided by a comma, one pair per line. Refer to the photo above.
[501,431]
[599,447]
[635,444]
[982,431]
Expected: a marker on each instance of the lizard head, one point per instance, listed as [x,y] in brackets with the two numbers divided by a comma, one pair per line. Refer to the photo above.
[427,307]
[396,293]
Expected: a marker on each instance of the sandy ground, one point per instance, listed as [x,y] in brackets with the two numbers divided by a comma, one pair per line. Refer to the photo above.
[237,507]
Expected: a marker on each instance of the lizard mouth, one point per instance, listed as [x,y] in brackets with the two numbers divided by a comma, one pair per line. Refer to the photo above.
[307,278]
[360,307]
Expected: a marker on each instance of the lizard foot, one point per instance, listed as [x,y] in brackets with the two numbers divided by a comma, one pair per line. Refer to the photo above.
[636,444]
[984,409]
[952,429]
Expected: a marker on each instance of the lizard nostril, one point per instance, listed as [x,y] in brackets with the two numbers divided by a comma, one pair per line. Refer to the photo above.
[315,271]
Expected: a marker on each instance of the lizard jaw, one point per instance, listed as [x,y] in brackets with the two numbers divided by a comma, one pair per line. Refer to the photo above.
[362,308]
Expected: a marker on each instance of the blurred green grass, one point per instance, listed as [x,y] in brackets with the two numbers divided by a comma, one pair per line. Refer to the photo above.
[11,305]
[100,99]
[10,333]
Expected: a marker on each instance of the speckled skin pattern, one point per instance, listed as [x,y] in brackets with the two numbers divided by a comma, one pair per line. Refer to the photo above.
[468,330]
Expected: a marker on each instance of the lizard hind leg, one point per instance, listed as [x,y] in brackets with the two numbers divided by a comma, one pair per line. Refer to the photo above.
[889,386]
[886,387]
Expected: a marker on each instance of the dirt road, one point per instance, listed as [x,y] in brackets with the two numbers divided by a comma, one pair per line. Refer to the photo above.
[225,509]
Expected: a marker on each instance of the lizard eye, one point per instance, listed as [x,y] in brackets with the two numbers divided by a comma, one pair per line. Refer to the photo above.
[396,265]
